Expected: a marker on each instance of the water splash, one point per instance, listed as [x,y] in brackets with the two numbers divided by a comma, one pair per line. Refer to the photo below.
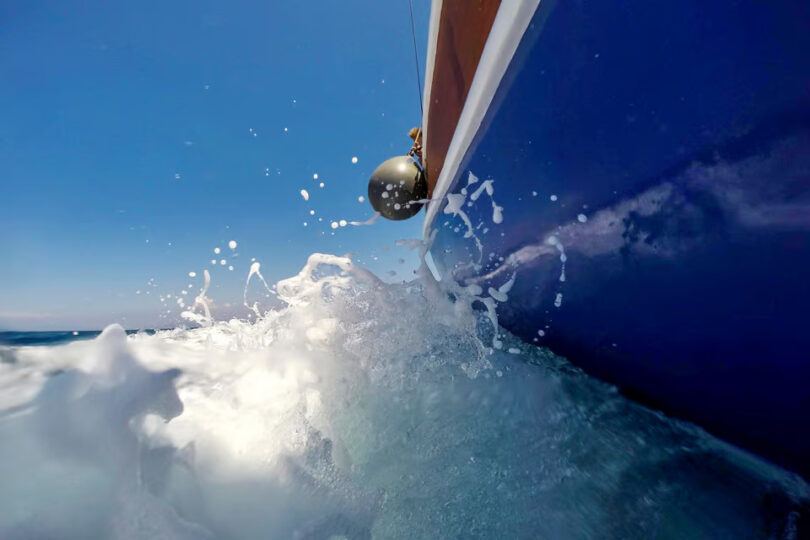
[369,221]
[255,270]
[455,207]
[358,409]
[202,302]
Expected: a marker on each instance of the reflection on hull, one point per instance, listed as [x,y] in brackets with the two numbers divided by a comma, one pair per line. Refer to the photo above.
[652,167]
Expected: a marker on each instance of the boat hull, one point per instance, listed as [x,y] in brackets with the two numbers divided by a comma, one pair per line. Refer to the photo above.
[643,173]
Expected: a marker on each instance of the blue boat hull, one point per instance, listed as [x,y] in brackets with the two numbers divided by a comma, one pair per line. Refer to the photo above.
[652,160]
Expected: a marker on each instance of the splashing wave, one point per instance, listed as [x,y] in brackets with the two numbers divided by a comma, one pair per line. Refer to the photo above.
[360,409]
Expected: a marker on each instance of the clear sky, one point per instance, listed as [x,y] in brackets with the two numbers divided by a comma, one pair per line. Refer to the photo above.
[136,137]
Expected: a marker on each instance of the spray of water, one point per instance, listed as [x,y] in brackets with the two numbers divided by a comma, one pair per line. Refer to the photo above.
[360,409]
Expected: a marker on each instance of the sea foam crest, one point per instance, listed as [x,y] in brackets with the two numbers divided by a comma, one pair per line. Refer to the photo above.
[358,409]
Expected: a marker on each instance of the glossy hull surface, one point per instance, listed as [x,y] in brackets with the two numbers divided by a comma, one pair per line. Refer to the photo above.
[652,164]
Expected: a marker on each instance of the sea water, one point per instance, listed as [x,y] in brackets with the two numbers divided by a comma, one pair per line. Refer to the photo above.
[357,409]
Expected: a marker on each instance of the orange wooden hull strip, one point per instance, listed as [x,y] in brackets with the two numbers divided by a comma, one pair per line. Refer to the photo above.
[464,26]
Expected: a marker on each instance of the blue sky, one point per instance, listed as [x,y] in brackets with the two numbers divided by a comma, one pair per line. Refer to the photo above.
[126,150]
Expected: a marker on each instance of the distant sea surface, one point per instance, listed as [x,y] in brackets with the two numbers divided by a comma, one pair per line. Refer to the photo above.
[22,339]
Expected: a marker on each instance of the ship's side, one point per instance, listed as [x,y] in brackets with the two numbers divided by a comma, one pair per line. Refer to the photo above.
[641,170]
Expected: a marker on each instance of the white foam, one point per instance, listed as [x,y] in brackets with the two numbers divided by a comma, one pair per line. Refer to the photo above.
[357,409]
